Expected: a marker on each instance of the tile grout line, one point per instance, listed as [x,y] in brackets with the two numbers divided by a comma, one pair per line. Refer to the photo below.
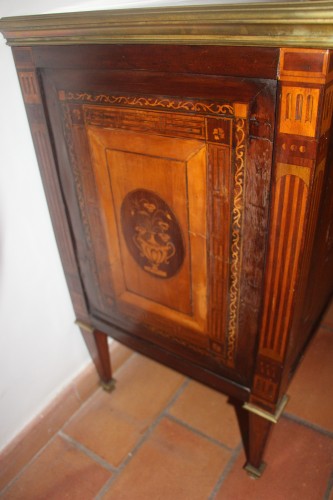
[309,425]
[99,460]
[81,408]
[58,432]
[141,441]
[98,389]
[329,488]
[107,485]
[234,455]
[177,394]
[326,326]
[199,433]
[28,464]
[76,444]
[165,414]
[131,454]
[227,469]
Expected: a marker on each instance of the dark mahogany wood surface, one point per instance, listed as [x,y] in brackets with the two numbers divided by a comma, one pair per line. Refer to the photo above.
[99,74]
[191,193]
[251,62]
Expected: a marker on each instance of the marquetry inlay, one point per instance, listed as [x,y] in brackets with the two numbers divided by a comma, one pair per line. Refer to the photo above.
[190,105]
[29,87]
[152,233]
[299,109]
[236,246]
[186,154]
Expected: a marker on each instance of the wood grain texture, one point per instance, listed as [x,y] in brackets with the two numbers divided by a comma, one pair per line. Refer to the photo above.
[40,135]
[39,131]
[287,219]
[101,113]
[219,185]
[296,194]
[191,192]
[251,62]
[307,65]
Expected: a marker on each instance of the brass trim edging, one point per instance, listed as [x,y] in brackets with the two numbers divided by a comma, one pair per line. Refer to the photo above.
[108,386]
[84,326]
[265,414]
[255,472]
[276,24]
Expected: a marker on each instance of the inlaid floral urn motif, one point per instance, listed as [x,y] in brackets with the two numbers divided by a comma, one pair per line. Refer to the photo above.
[152,233]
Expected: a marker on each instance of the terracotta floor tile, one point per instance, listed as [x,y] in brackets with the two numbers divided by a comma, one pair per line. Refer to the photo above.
[88,382]
[61,471]
[330,495]
[209,412]
[37,434]
[173,464]
[311,392]
[144,387]
[300,462]
[105,431]
[111,424]
[119,355]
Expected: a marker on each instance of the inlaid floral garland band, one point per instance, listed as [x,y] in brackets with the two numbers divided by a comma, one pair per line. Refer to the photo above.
[146,246]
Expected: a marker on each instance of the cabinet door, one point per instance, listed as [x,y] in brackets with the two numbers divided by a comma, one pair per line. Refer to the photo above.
[166,181]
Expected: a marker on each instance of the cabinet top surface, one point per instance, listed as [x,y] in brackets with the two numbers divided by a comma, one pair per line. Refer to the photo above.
[271,24]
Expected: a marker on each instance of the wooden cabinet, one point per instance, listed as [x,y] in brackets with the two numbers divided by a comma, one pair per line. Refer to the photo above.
[189,177]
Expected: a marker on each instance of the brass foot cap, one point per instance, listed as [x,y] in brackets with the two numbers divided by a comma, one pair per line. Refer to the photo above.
[108,386]
[254,471]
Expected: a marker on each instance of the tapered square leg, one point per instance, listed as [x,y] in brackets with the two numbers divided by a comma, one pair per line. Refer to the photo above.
[259,431]
[256,425]
[97,344]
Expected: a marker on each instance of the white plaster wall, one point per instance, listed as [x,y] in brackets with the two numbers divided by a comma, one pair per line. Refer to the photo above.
[41,350]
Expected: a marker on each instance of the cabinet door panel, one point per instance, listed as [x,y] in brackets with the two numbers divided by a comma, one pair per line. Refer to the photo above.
[150,187]
[166,188]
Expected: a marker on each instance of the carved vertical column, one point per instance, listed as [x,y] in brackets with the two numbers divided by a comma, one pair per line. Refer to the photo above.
[296,186]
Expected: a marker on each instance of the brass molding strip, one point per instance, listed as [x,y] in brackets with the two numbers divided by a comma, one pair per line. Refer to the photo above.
[108,386]
[286,24]
[255,472]
[265,414]
[84,326]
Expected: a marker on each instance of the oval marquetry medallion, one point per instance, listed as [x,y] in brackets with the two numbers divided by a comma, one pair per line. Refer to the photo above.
[152,233]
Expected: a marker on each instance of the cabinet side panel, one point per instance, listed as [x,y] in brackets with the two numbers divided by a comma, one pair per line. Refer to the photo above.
[316,271]
[300,158]
[32,95]
[319,258]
